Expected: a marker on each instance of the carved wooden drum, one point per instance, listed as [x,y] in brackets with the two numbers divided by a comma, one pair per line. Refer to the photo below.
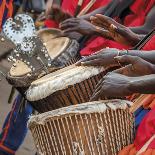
[96,128]
[69,86]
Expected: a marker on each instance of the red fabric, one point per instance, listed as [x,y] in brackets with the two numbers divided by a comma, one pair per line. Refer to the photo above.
[51,23]
[70,7]
[140,8]
[145,131]
[150,44]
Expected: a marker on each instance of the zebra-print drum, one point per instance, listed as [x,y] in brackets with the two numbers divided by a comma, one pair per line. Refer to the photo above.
[69,86]
[96,128]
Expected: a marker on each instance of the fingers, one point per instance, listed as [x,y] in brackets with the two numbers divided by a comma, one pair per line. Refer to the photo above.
[87,59]
[95,96]
[127,70]
[97,22]
[103,32]
[68,25]
[108,20]
[127,59]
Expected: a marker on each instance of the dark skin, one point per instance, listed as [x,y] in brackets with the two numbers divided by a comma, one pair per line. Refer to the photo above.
[124,79]
[106,57]
[117,32]
[109,28]
[111,83]
[134,66]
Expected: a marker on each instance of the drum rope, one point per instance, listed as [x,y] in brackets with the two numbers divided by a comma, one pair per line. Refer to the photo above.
[111,132]
[87,124]
[61,136]
[94,134]
[58,136]
[51,139]
[102,136]
[86,134]
[66,135]
[48,149]
[54,139]
[77,142]
[76,120]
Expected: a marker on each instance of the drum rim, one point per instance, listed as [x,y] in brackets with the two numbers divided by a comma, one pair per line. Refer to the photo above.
[84,108]
[46,88]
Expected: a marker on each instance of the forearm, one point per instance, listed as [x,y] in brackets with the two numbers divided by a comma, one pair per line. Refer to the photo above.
[146,55]
[141,30]
[143,84]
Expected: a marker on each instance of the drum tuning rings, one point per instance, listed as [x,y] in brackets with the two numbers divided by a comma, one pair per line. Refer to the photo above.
[29,75]
[14,65]
[2,39]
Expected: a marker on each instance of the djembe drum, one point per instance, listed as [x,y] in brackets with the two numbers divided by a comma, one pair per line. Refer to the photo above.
[69,86]
[53,55]
[95,128]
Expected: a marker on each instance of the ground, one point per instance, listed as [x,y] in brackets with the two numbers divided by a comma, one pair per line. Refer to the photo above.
[28,147]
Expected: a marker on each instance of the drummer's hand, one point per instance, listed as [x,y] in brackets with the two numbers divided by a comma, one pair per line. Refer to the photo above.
[109,28]
[136,66]
[113,85]
[57,14]
[104,58]
[77,25]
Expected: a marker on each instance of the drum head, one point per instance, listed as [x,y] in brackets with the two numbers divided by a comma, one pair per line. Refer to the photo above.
[55,46]
[48,33]
[60,80]
[84,108]
[19,69]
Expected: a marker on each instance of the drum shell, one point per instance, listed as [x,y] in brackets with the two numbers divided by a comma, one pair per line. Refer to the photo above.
[91,133]
[74,94]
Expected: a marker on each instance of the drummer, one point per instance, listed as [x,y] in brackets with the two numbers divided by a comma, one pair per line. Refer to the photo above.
[140,22]
[14,132]
[143,83]
[141,65]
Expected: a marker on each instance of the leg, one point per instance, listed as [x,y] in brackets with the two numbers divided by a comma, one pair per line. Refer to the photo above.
[14,128]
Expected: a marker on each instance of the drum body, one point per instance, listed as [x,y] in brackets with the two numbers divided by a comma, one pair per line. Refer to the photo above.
[97,128]
[69,86]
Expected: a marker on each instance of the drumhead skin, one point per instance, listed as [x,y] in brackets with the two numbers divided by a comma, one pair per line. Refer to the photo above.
[60,80]
[48,33]
[54,45]
[19,68]
[93,128]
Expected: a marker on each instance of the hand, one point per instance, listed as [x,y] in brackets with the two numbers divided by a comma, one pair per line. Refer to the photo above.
[56,13]
[136,66]
[109,28]
[113,85]
[78,25]
[104,58]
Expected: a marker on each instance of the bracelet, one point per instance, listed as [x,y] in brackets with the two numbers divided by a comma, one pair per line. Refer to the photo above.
[118,54]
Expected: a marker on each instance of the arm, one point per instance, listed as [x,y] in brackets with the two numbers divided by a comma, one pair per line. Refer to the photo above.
[146,55]
[148,25]
[144,84]
[111,83]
